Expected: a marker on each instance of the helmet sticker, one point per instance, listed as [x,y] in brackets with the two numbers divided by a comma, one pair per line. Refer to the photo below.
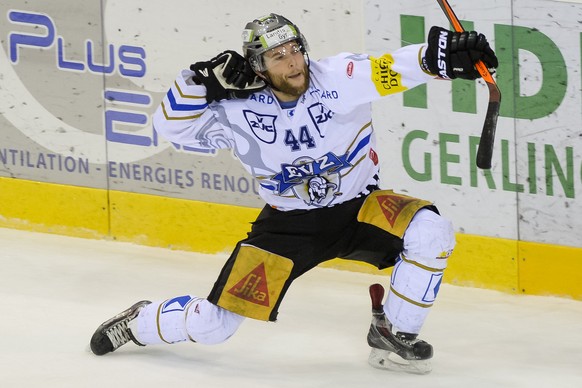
[280,35]
[248,35]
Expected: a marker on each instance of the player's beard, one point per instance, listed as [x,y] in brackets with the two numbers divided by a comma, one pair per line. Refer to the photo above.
[281,84]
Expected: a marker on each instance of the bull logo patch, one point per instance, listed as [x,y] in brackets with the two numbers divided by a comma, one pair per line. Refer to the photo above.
[316,181]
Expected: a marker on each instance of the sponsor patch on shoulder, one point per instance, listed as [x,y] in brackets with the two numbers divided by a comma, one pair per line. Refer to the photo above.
[350,69]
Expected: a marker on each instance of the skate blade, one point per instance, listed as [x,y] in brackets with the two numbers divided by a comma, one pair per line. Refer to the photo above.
[383,359]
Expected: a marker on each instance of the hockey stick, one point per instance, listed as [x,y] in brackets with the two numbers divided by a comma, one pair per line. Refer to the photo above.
[485,150]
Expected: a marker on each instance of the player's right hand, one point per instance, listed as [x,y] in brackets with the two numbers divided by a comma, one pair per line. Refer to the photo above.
[227,76]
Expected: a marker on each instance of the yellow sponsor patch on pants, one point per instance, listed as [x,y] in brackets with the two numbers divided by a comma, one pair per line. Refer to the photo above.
[390,211]
[255,282]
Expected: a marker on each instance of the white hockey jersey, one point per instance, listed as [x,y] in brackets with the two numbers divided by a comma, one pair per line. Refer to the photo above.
[318,153]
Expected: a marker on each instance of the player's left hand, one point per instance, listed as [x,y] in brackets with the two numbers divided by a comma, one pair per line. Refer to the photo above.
[227,76]
[454,54]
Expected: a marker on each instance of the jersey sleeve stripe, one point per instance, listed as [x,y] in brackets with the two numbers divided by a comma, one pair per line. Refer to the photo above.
[368,124]
[168,117]
[186,95]
[365,141]
[183,107]
[353,166]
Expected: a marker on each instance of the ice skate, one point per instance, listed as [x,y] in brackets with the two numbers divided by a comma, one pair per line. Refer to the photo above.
[394,351]
[114,333]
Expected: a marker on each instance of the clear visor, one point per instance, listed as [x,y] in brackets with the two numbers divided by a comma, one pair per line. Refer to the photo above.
[282,54]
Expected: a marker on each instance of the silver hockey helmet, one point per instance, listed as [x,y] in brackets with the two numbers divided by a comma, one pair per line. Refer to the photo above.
[267,32]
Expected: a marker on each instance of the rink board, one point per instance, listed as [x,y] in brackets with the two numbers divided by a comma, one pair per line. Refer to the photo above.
[484,262]
[80,81]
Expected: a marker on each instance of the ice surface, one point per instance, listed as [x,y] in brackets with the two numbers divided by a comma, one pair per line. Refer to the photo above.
[56,290]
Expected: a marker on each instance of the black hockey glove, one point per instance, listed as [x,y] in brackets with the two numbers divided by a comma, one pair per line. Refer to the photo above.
[454,54]
[227,76]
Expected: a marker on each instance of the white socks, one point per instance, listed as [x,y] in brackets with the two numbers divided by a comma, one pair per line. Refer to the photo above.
[428,242]
[184,318]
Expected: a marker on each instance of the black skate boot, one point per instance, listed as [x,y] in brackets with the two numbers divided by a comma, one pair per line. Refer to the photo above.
[413,354]
[114,332]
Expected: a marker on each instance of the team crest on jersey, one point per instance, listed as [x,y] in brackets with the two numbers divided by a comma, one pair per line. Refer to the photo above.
[316,181]
[320,114]
[263,126]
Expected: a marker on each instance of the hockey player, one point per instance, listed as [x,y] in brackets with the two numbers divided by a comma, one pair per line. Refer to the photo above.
[303,129]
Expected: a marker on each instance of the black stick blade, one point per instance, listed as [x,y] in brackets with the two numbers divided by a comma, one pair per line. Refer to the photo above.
[487,141]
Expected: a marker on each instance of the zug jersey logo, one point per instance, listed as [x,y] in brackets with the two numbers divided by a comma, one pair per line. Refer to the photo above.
[316,181]
[263,126]
[320,114]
